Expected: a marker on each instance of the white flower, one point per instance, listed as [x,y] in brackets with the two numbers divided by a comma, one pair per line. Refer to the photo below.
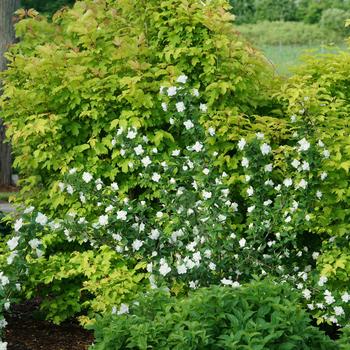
[245,162]
[322,281]
[305,166]
[188,124]
[172,91]
[251,209]
[180,107]
[295,163]
[70,189]
[41,219]
[319,194]
[288,219]
[164,269]
[3,345]
[124,309]
[234,206]
[242,242]
[154,234]
[315,255]
[114,186]
[328,297]
[241,144]
[268,168]
[164,106]
[136,245]
[18,224]
[61,186]
[206,194]
[34,243]
[103,220]
[212,266]
[193,284]
[338,310]
[259,135]
[13,242]
[250,191]
[205,171]
[304,144]
[293,118]
[72,171]
[302,184]
[122,152]
[345,297]
[288,182]
[146,161]
[267,203]
[122,215]
[182,79]
[203,107]
[226,282]
[195,92]
[181,269]
[155,177]
[211,131]
[326,153]
[265,149]
[171,121]
[197,147]
[139,150]
[87,177]
[161,89]
[159,214]
[324,175]
[306,294]
[131,133]
[175,153]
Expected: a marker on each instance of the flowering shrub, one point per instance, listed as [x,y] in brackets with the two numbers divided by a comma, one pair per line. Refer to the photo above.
[260,315]
[101,63]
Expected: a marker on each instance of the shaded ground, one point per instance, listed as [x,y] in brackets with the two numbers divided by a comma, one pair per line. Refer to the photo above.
[26,332]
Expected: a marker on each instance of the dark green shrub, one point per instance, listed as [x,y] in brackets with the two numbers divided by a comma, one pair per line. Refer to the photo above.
[244,10]
[261,315]
[272,10]
[334,19]
[49,7]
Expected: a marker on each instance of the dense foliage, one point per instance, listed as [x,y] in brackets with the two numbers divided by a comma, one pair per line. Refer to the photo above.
[256,316]
[47,7]
[160,153]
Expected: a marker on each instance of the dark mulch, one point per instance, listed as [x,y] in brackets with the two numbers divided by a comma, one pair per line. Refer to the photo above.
[26,331]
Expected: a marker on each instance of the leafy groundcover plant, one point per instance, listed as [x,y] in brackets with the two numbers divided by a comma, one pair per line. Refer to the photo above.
[259,315]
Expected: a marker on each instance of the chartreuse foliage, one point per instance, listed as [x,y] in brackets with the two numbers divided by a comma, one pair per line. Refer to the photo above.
[90,282]
[100,65]
[260,315]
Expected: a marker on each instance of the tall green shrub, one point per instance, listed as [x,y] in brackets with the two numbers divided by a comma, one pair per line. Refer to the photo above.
[101,63]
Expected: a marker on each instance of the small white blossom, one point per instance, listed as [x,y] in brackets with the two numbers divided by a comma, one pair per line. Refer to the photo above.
[259,135]
[122,215]
[265,149]
[181,269]
[245,162]
[164,269]
[139,150]
[242,242]
[338,310]
[172,91]
[103,220]
[180,107]
[268,168]
[188,124]
[114,186]
[319,194]
[302,184]
[197,147]
[211,131]
[295,163]
[250,191]
[206,194]
[326,153]
[195,92]
[345,297]
[323,175]
[305,166]
[203,107]
[131,133]
[322,281]
[241,144]
[288,182]
[156,177]
[182,79]
[41,219]
[13,242]
[304,145]
[124,309]
[18,224]
[136,245]
[146,161]
[164,106]
[87,177]
[306,294]
[175,153]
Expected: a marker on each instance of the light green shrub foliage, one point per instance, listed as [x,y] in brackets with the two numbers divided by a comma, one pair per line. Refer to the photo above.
[101,64]
[334,19]
[260,315]
[89,282]
[288,33]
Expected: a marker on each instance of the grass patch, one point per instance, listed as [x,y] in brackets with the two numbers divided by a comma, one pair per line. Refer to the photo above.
[285,57]
[288,33]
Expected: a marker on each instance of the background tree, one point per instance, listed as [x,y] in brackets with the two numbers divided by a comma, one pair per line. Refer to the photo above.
[7,37]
